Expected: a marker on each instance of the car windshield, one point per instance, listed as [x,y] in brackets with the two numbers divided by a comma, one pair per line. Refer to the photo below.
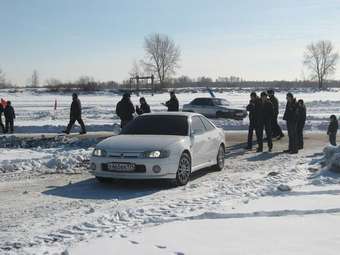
[222,102]
[157,125]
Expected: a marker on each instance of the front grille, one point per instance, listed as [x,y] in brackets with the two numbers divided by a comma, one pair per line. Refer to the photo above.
[123,155]
[139,169]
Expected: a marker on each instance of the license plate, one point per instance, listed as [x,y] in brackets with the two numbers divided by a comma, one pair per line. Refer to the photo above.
[122,167]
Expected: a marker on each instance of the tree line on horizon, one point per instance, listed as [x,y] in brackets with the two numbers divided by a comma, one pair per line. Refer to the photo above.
[161,60]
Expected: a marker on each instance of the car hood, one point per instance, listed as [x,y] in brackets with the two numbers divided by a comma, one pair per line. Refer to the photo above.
[138,143]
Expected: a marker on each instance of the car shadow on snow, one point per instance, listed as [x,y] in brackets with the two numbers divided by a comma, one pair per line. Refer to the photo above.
[264,156]
[117,189]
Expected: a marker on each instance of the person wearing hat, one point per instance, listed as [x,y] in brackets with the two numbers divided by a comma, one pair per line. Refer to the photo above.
[125,110]
[251,108]
[264,117]
[172,104]
[9,117]
[276,129]
[75,115]
[291,118]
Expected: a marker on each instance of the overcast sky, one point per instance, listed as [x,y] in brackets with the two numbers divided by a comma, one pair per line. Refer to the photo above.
[254,39]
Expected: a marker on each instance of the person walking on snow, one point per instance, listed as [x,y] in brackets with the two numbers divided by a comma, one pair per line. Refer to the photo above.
[9,117]
[264,117]
[172,104]
[332,130]
[1,123]
[125,110]
[143,108]
[75,115]
[301,112]
[251,108]
[276,129]
[291,117]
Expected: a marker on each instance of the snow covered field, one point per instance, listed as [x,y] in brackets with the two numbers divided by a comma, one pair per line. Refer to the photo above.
[35,111]
[248,206]
[261,203]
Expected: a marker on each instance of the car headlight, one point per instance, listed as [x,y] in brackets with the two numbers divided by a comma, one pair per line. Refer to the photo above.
[156,154]
[99,153]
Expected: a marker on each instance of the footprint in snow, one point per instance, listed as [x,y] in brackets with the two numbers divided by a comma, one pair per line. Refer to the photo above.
[123,236]
[179,253]
[133,242]
[161,246]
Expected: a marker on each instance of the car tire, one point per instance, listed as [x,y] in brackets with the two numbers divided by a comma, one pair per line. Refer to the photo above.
[184,170]
[220,158]
[103,179]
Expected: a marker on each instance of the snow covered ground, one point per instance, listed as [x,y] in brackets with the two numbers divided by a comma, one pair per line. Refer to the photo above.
[305,221]
[50,204]
[35,111]
[246,204]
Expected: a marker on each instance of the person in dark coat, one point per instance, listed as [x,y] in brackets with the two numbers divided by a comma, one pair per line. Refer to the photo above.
[276,129]
[9,117]
[143,108]
[172,104]
[251,108]
[125,110]
[1,123]
[333,129]
[75,115]
[291,117]
[264,117]
[301,112]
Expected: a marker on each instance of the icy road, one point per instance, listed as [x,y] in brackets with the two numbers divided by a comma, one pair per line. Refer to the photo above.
[51,213]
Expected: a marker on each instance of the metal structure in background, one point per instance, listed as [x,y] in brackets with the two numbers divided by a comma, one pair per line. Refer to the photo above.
[138,78]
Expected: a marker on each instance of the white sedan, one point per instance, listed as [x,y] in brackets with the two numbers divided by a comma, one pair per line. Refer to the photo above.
[212,107]
[160,146]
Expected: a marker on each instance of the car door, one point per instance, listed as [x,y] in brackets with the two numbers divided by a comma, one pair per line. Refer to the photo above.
[213,142]
[199,142]
[205,107]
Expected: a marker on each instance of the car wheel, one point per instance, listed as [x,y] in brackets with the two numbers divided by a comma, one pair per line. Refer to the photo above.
[103,179]
[184,170]
[220,159]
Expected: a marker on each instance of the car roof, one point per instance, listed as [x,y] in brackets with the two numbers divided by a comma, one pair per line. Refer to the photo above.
[187,114]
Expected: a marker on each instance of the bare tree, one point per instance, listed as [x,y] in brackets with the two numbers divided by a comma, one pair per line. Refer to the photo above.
[161,56]
[35,79]
[321,58]
[135,70]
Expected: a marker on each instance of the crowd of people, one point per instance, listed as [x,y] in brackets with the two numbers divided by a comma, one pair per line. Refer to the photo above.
[263,117]
[125,108]
[7,109]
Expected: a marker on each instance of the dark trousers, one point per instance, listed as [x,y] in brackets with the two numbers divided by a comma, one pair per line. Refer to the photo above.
[300,128]
[332,139]
[276,129]
[71,123]
[2,126]
[9,126]
[251,130]
[259,133]
[292,135]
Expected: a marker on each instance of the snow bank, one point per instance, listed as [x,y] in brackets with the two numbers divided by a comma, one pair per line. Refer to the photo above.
[59,154]
[332,157]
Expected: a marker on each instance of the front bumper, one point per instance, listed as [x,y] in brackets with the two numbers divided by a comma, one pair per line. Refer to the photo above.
[168,168]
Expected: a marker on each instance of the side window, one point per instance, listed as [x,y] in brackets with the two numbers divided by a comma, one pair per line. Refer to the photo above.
[207,124]
[197,126]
